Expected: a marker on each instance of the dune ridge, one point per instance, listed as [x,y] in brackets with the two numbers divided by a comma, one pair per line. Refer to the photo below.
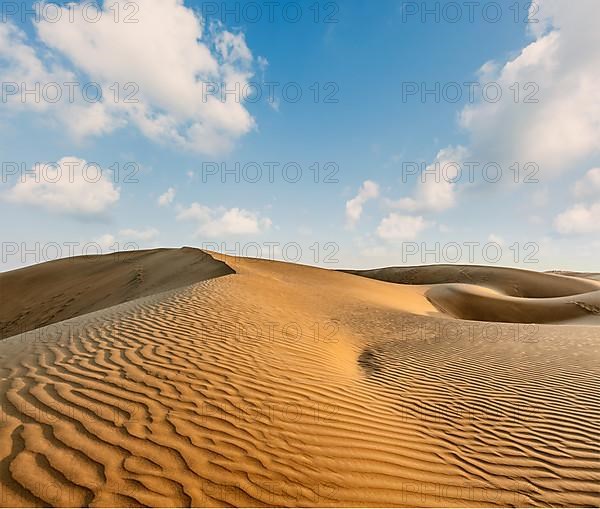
[58,290]
[470,302]
[283,385]
[510,281]
[500,294]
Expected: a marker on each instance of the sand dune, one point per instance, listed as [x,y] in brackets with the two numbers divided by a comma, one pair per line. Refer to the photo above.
[471,302]
[283,385]
[513,282]
[50,292]
[498,294]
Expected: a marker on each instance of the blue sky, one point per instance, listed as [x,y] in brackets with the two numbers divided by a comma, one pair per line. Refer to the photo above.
[363,134]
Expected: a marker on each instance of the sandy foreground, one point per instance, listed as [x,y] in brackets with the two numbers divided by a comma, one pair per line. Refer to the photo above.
[173,378]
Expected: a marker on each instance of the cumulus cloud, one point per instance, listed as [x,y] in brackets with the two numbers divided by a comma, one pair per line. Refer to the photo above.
[70,186]
[436,189]
[106,242]
[398,227]
[582,218]
[354,207]
[167,198]
[165,68]
[31,84]
[222,222]
[579,219]
[589,185]
[555,120]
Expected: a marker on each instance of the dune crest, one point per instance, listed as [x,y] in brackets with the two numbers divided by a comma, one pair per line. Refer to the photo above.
[510,281]
[51,292]
[498,294]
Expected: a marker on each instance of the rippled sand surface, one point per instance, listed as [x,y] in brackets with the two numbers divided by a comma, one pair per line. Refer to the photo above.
[277,384]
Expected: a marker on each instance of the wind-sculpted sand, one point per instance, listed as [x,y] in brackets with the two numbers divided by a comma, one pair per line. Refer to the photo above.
[498,294]
[284,385]
[51,292]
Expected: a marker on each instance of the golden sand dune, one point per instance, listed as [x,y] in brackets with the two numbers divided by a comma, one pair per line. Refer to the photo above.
[498,294]
[51,292]
[471,302]
[513,282]
[294,386]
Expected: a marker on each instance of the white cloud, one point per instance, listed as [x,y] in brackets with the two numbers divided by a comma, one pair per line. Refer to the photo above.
[274,103]
[589,185]
[31,84]
[263,63]
[168,57]
[195,212]
[582,218]
[221,222]
[167,198]
[354,207]
[579,219]
[436,189]
[144,235]
[70,186]
[560,69]
[106,242]
[397,227]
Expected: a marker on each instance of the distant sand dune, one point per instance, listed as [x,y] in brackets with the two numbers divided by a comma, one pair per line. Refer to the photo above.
[471,302]
[497,294]
[513,282]
[283,385]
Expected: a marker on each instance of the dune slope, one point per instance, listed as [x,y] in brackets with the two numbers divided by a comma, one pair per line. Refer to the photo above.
[471,302]
[50,292]
[513,282]
[498,294]
[283,385]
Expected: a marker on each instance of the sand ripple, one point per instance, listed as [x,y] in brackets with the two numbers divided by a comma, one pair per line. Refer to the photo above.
[291,386]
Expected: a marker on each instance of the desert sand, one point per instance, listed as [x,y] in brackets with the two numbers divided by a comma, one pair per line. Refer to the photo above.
[499,294]
[178,378]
